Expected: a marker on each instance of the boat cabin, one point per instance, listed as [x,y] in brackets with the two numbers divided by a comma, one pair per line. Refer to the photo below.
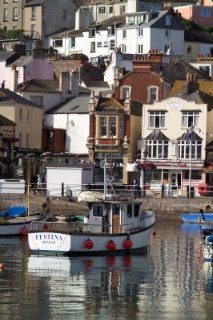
[114,216]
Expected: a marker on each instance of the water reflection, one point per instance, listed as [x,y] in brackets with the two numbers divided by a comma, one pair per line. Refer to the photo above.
[171,282]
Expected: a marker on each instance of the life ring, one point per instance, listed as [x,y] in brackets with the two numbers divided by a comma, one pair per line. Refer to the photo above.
[203,189]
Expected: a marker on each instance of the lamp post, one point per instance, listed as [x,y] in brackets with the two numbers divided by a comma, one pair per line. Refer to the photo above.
[145,154]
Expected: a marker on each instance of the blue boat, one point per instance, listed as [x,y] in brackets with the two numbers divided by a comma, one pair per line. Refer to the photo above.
[197,217]
[14,211]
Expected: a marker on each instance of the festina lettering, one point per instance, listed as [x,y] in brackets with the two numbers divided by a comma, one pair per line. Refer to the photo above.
[49,237]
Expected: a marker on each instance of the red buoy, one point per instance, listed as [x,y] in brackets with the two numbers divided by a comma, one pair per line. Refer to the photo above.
[111,245]
[128,244]
[45,227]
[88,244]
[153,233]
[24,231]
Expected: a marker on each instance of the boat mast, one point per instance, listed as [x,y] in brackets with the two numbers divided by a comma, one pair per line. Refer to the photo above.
[105,180]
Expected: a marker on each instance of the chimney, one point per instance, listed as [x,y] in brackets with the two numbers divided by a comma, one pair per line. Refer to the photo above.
[191,84]
[74,83]
[13,79]
[37,54]
[64,84]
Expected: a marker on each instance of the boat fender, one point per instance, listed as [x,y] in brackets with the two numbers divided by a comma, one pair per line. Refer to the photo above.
[209,238]
[24,231]
[1,267]
[128,244]
[111,245]
[88,244]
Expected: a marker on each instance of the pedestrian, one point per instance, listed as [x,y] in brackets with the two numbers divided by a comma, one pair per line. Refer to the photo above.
[39,183]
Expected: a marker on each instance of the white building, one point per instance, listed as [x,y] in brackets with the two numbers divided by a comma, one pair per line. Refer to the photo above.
[134,33]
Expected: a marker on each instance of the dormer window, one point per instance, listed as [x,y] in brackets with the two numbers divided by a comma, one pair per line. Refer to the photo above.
[91,32]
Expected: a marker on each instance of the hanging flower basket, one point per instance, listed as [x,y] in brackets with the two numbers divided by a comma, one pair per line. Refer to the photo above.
[148,166]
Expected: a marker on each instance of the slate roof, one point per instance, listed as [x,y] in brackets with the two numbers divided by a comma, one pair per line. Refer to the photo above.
[46,86]
[10,97]
[6,122]
[97,84]
[22,61]
[178,69]
[194,136]
[157,135]
[198,36]
[75,105]
[5,55]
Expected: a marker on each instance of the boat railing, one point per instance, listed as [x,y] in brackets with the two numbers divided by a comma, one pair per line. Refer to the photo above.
[82,227]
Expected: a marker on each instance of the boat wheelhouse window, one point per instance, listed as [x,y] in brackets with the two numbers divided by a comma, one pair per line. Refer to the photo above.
[98,210]
[137,210]
[129,211]
[116,209]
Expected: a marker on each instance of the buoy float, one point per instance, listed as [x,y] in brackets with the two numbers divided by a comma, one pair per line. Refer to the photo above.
[153,233]
[111,245]
[45,227]
[128,244]
[24,231]
[1,266]
[198,220]
[88,244]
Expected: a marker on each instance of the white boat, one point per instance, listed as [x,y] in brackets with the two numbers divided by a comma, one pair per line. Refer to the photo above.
[18,225]
[90,196]
[113,225]
[207,242]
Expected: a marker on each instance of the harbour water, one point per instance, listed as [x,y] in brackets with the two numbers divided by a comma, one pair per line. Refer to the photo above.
[171,282]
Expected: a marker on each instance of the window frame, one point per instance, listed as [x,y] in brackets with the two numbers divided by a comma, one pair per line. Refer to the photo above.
[158,118]
[189,118]
[184,150]
[150,93]
[157,149]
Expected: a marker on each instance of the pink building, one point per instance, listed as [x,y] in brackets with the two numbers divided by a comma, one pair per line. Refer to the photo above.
[201,15]
[27,68]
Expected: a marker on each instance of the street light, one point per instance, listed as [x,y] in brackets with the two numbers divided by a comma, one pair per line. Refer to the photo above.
[145,154]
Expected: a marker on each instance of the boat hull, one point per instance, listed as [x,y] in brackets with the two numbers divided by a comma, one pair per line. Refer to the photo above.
[76,244]
[14,227]
[196,217]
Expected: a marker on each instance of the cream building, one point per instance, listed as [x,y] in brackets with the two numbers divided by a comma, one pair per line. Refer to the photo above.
[28,118]
[175,132]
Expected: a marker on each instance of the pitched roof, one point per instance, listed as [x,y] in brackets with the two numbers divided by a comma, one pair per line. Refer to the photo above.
[33,85]
[22,61]
[11,97]
[75,105]
[156,135]
[194,136]
[6,122]
[46,86]
[198,36]
[178,69]
[112,104]
[4,55]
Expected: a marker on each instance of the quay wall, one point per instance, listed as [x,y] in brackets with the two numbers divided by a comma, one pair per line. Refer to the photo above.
[164,208]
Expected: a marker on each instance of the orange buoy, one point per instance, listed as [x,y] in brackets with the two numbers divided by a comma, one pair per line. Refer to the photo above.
[111,245]
[24,231]
[1,267]
[88,244]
